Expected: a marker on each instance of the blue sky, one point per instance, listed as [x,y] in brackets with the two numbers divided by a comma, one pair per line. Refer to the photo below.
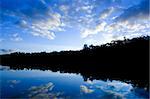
[48,25]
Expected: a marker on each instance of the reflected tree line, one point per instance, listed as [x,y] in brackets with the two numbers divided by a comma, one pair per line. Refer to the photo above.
[126,59]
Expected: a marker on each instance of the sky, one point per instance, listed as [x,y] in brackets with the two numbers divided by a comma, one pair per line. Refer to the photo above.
[54,25]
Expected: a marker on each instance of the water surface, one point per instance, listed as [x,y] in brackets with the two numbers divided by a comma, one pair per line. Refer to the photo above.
[47,84]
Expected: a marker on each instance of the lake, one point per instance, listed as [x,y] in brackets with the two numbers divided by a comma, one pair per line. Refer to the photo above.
[38,84]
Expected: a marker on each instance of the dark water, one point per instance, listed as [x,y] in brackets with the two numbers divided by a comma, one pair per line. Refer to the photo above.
[39,84]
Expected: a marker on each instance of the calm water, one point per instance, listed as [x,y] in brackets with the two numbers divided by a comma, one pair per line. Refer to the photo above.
[39,84]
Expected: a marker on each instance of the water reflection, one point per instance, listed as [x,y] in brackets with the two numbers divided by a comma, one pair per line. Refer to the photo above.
[39,84]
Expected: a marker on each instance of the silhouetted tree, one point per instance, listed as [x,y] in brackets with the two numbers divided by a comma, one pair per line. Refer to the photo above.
[85,47]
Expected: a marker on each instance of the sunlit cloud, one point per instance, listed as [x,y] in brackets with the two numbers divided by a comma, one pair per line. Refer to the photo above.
[99,28]
[106,12]
[85,89]
[89,82]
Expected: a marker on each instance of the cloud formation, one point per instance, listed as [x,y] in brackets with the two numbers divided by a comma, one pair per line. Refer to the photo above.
[106,19]
[36,18]
[132,22]
[105,13]
[40,89]
[85,89]
[99,28]
[44,27]
[43,91]
[114,89]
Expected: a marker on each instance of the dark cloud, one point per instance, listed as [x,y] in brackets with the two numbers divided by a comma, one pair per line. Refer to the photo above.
[137,11]
[6,51]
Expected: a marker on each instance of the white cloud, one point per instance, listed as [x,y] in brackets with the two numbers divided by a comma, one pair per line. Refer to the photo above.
[44,91]
[86,33]
[89,81]
[117,85]
[83,16]
[117,30]
[64,8]
[131,23]
[85,8]
[34,90]
[85,89]
[99,28]
[46,27]
[16,37]
[42,25]
[128,28]
[114,89]
[118,25]
[105,13]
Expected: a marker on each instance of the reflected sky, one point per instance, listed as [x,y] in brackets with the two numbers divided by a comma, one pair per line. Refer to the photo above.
[38,84]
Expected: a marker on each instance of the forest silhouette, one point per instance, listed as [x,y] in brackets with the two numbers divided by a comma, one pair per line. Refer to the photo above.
[126,59]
